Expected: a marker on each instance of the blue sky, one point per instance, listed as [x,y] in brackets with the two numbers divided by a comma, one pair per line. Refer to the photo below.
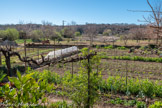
[80,11]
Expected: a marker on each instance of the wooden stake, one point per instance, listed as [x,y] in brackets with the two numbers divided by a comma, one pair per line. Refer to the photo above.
[25,54]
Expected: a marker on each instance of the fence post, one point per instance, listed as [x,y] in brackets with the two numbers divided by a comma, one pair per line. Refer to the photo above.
[89,91]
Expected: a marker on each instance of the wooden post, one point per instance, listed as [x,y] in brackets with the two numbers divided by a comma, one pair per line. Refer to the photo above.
[24,35]
[0,59]
[89,87]
[54,48]
[126,66]
[72,69]
[38,53]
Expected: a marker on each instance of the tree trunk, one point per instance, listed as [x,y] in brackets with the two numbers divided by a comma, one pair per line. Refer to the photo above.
[8,64]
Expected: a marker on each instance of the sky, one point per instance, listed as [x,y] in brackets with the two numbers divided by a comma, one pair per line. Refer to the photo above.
[80,11]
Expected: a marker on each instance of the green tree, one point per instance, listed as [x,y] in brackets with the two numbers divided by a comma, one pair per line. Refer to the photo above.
[36,35]
[67,33]
[56,36]
[2,34]
[77,34]
[11,34]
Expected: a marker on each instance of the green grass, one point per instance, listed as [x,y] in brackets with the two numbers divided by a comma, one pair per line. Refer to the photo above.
[20,41]
[134,58]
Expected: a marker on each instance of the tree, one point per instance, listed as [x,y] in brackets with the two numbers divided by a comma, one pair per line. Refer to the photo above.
[125,38]
[91,32]
[107,32]
[56,36]
[47,29]
[11,34]
[137,34]
[67,33]
[36,35]
[2,34]
[77,34]
[155,19]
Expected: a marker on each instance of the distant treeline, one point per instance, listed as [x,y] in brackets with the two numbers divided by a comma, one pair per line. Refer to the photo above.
[115,28]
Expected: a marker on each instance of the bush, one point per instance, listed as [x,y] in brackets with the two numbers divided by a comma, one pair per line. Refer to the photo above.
[26,92]
[11,34]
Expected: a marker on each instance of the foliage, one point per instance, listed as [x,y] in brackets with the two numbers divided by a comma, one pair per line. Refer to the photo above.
[109,47]
[136,58]
[77,34]
[97,46]
[77,85]
[2,76]
[9,34]
[157,104]
[66,33]
[20,41]
[57,36]
[107,32]
[135,87]
[141,104]
[27,91]
[50,77]
[132,103]
[2,34]
[122,48]
[36,35]
[59,104]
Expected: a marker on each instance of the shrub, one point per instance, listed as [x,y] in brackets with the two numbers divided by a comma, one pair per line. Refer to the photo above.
[26,92]
[11,34]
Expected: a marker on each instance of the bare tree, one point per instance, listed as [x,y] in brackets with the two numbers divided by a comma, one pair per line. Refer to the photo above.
[137,34]
[91,32]
[125,38]
[155,19]
[47,29]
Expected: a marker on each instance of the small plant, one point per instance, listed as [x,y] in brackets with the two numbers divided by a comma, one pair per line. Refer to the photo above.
[97,46]
[83,87]
[109,47]
[157,104]
[2,76]
[135,87]
[26,92]
[122,48]
[141,104]
[62,104]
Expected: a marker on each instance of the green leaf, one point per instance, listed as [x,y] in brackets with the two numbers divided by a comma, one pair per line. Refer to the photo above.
[15,81]
[19,75]
[2,77]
